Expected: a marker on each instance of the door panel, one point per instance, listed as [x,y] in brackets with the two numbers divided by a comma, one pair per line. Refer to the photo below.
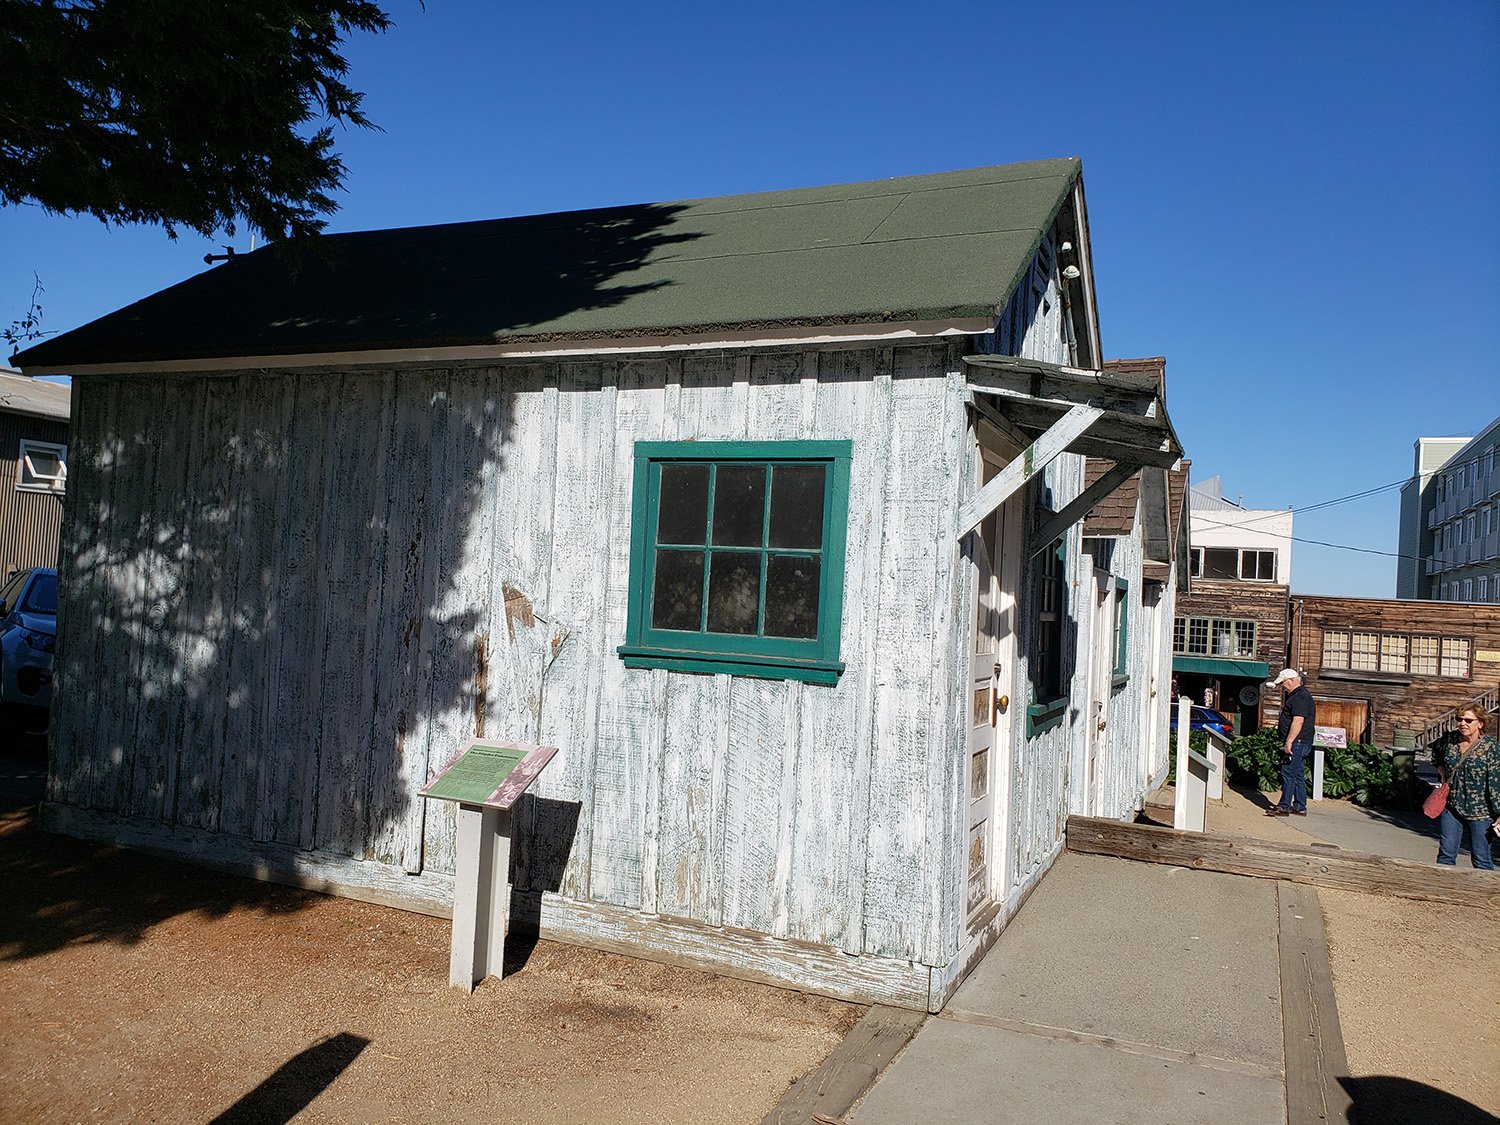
[990,664]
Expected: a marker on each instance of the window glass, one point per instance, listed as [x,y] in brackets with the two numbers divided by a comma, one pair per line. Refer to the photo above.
[1244,638]
[792,596]
[1363,651]
[797,505]
[1455,657]
[1198,636]
[1122,602]
[12,587]
[677,596]
[1424,656]
[1221,562]
[41,595]
[1393,652]
[1335,649]
[1259,565]
[683,504]
[1046,664]
[739,505]
[742,570]
[41,466]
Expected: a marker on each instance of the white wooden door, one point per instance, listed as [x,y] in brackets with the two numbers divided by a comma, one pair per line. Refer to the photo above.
[1100,678]
[991,665]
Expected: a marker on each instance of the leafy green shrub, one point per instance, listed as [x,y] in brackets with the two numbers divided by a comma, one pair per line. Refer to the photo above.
[1363,773]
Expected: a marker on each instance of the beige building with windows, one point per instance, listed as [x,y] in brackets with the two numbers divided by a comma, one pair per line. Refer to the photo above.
[1450,521]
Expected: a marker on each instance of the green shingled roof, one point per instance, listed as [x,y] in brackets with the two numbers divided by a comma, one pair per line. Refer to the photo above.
[944,246]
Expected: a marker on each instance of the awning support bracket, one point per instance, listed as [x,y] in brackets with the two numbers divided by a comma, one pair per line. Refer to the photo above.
[1081,505]
[1032,460]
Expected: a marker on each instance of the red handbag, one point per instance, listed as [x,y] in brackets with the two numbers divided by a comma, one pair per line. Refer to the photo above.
[1436,801]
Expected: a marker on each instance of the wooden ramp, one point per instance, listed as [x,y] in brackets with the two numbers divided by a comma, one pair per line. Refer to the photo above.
[1318,865]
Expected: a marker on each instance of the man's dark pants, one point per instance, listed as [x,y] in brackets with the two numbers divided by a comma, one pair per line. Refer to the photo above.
[1294,777]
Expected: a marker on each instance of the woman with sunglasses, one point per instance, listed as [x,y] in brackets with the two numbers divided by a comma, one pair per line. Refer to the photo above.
[1471,766]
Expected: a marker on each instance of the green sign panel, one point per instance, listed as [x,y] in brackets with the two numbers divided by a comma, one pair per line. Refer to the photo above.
[476,774]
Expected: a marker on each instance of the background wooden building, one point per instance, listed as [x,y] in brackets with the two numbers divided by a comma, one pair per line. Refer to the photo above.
[1389,670]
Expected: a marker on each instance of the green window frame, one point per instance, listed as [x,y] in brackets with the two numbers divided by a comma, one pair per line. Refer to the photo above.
[699,584]
[1122,633]
[1049,689]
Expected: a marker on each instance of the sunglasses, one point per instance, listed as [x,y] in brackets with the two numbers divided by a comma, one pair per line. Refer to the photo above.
[1466,720]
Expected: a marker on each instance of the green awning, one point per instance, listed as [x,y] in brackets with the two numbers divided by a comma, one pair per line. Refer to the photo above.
[1219,666]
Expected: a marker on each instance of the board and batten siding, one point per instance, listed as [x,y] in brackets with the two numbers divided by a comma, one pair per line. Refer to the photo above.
[295,593]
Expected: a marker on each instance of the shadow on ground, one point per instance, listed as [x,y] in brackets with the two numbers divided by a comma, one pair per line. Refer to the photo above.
[1400,1101]
[60,891]
[295,1083]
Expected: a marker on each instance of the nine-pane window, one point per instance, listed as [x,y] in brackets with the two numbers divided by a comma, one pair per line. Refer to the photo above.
[1424,656]
[1393,649]
[1455,656]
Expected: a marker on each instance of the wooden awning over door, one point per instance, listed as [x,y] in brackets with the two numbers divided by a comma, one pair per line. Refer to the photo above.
[1049,410]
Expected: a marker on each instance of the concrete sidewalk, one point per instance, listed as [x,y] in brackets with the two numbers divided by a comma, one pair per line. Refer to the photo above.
[1123,992]
[1387,832]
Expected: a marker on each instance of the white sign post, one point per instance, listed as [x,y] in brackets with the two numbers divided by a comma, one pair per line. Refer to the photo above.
[486,779]
[1324,736]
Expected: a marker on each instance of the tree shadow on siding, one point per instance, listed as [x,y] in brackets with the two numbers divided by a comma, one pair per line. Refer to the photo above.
[284,591]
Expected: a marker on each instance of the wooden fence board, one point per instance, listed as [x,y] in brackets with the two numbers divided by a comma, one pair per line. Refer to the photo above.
[1296,863]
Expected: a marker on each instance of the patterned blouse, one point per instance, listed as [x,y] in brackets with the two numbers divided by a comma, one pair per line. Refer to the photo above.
[1474,779]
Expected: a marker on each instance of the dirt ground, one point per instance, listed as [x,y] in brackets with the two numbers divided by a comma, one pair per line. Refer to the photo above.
[136,989]
[1391,957]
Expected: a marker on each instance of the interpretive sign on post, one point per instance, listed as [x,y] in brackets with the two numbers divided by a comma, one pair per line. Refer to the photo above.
[485,779]
[1324,737]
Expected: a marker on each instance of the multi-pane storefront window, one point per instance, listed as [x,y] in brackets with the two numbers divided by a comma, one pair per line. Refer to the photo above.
[1399,653]
[1214,636]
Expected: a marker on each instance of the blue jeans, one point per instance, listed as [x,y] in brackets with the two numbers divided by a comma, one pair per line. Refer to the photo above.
[1294,777]
[1451,833]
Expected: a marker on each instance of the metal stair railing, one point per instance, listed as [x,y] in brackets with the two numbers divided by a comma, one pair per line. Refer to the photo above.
[1448,721]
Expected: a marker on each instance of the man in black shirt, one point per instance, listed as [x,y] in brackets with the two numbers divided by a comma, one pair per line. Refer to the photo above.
[1295,726]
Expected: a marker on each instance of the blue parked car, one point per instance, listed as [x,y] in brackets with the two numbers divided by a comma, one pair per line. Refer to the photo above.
[28,636]
[1206,718]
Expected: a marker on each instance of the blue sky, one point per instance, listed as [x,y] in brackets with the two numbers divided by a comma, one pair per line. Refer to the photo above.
[1296,204]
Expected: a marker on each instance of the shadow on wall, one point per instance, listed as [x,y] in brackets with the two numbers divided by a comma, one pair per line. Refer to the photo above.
[289,595]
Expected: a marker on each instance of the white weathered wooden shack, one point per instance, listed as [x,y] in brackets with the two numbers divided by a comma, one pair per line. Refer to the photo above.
[765,509]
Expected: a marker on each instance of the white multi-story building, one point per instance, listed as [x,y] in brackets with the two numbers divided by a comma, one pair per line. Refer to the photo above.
[1450,521]
[1230,541]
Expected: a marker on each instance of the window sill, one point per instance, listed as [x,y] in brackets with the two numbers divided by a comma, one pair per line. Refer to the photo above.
[1117,682]
[1043,716]
[732,664]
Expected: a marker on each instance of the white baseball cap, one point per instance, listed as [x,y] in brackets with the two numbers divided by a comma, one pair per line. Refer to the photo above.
[1283,676]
